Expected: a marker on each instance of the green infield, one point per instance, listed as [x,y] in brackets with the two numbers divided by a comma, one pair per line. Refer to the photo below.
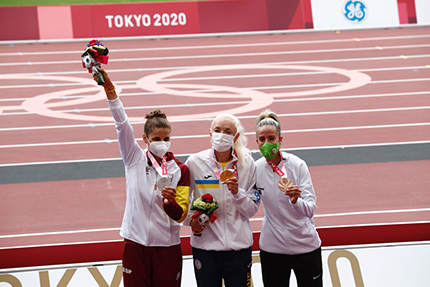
[76,2]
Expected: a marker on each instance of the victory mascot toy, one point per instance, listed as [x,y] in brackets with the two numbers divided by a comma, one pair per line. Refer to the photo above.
[93,56]
[204,206]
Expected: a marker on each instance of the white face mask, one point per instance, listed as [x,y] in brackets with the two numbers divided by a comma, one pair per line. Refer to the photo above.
[222,142]
[159,148]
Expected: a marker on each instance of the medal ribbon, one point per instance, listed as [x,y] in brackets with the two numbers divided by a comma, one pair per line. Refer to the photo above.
[235,169]
[217,170]
[162,170]
[275,168]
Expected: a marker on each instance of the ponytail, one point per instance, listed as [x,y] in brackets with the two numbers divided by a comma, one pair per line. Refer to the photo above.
[154,120]
[268,117]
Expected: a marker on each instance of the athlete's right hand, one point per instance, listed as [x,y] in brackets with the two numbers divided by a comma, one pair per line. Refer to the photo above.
[196,227]
[108,83]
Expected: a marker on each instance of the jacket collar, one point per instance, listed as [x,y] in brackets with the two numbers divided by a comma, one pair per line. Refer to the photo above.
[169,156]
[213,157]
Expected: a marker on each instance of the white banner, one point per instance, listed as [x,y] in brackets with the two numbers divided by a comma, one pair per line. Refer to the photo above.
[354,14]
[394,265]
[423,11]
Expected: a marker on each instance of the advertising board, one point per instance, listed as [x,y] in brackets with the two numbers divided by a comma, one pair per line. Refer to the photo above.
[354,14]
[135,19]
[423,11]
[402,264]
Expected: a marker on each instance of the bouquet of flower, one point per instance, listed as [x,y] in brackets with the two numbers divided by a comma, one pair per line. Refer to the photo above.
[94,55]
[204,206]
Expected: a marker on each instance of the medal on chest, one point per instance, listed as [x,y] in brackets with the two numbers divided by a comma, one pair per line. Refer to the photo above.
[224,175]
[163,178]
[284,182]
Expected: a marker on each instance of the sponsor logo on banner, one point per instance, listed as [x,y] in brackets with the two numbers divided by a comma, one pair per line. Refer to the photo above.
[355,11]
[354,14]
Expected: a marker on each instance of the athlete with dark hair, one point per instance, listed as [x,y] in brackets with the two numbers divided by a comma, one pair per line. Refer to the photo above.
[157,198]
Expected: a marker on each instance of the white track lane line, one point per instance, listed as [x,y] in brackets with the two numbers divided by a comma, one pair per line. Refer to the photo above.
[357,213]
[206,119]
[215,90]
[423,124]
[252,151]
[316,61]
[204,47]
[218,56]
[230,77]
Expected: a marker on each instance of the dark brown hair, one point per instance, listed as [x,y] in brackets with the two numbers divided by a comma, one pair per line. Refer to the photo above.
[155,120]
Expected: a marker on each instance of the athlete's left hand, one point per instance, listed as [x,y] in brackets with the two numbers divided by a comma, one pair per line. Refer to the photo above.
[293,191]
[169,194]
[232,185]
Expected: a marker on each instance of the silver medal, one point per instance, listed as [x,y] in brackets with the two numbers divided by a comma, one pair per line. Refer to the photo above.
[164,181]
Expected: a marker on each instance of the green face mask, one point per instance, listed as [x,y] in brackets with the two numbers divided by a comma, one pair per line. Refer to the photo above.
[269,150]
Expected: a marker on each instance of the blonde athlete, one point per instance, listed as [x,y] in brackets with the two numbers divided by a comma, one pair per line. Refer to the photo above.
[222,249]
[157,194]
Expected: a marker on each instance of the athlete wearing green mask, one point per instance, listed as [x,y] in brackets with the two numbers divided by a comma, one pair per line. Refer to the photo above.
[269,150]
[288,240]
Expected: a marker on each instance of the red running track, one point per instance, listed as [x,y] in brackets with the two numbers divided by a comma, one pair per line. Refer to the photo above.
[346,89]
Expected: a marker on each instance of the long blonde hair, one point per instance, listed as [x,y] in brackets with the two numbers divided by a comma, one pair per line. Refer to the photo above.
[240,145]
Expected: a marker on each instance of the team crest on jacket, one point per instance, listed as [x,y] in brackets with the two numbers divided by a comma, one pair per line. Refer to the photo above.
[198,264]
[257,197]
[257,193]
[258,190]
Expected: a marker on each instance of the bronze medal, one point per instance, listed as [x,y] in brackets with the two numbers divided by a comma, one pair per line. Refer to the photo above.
[284,183]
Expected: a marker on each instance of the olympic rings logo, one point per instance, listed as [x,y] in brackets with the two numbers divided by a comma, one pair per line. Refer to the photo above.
[159,83]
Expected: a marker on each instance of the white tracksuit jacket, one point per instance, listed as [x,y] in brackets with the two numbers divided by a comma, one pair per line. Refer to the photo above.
[231,230]
[147,220]
[287,228]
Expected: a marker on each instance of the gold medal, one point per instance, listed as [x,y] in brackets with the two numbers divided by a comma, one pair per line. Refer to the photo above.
[226,175]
